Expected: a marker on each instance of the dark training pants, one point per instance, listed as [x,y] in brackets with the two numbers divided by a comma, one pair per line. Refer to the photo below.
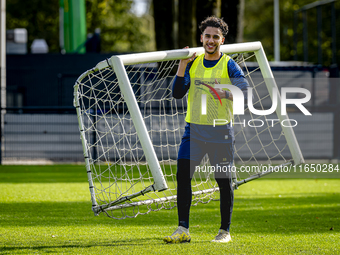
[219,154]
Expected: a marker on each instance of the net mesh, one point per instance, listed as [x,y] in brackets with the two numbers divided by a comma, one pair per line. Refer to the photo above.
[117,165]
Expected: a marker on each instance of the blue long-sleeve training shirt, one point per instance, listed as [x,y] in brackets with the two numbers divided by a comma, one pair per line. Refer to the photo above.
[209,133]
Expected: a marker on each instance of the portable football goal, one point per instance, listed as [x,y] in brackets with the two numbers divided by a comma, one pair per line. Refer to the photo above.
[131,128]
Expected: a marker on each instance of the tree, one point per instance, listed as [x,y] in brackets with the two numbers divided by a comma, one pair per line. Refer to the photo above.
[258,26]
[232,12]
[189,15]
[164,17]
[121,30]
[206,8]
[175,26]
[187,25]
[39,17]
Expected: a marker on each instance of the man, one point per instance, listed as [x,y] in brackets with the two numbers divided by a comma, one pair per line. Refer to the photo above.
[200,75]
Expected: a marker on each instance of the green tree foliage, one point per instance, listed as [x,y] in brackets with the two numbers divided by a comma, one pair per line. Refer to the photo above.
[121,30]
[259,26]
[187,15]
[39,17]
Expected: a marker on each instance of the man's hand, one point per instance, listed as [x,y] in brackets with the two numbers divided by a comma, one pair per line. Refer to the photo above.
[221,93]
[183,64]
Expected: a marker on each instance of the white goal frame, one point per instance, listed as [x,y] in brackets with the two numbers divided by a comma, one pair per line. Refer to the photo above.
[119,61]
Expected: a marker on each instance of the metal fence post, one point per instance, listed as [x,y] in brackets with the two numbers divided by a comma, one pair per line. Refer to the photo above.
[334,94]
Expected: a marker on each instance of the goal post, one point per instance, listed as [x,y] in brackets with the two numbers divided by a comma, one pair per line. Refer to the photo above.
[130,99]
[131,128]
[288,130]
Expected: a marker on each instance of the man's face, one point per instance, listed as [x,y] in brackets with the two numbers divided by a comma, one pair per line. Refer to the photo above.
[212,38]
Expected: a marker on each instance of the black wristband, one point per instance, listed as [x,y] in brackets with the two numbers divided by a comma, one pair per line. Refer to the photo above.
[227,94]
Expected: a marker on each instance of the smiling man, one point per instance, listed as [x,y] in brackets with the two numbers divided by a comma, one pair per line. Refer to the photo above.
[198,75]
[212,38]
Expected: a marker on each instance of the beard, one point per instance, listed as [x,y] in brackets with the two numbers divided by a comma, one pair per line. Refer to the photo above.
[213,50]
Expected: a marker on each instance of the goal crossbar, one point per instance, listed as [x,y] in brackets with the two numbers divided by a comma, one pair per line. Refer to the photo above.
[158,56]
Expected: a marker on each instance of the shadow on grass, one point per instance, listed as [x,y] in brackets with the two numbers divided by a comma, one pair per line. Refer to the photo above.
[142,242]
[77,173]
[288,215]
[56,173]
[42,174]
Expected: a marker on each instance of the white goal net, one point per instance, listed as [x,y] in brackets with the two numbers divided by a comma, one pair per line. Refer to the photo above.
[131,129]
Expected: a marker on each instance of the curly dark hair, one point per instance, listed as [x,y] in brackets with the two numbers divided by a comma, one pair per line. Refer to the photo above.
[213,21]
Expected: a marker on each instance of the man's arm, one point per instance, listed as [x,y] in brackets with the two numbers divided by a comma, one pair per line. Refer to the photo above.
[237,78]
[181,82]
[180,86]
[183,64]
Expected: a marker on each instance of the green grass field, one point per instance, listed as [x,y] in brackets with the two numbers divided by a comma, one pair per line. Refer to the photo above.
[47,209]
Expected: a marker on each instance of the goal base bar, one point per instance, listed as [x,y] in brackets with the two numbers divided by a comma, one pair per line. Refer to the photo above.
[100,208]
[115,206]
[159,200]
[259,175]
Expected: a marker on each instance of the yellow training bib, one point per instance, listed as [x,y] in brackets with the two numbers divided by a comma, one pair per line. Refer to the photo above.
[203,108]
